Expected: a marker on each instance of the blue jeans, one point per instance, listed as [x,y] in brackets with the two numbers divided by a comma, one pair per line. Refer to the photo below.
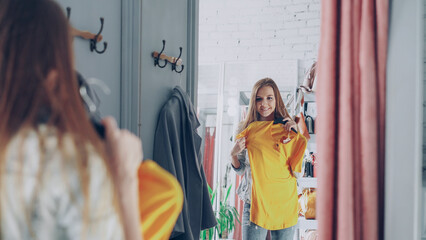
[252,231]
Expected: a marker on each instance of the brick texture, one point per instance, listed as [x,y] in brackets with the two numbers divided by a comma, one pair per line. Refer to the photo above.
[256,30]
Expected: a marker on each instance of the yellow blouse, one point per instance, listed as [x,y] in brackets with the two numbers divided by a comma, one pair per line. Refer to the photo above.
[274,189]
[160,201]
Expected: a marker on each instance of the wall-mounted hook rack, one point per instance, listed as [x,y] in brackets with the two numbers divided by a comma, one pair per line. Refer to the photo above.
[94,38]
[167,58]
[173,60]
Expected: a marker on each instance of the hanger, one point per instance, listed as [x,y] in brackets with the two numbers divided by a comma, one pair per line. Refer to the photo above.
[282,121]
[300,96]
[174,61]
[91,105]
[290,101]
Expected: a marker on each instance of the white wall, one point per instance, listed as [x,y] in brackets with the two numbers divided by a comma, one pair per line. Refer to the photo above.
[85,16]
[256,30]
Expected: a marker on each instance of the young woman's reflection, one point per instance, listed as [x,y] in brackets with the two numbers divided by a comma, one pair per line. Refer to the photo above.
[264,153]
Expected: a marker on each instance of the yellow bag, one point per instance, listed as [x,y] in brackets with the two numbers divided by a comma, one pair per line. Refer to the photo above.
[307,203]
[160,201]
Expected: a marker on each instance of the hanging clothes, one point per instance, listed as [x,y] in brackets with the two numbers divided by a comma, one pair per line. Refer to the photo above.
[274,201]
[301,123]
[177,149]
[209,153]
[160,201]
[91,104]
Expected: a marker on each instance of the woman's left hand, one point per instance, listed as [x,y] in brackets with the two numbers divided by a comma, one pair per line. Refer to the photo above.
[291,124]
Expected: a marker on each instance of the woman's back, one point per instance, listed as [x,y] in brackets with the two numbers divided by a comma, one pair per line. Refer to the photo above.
[52,185]
[42,195]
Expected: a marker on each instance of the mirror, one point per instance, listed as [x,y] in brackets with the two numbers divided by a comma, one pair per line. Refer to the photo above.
[241,42]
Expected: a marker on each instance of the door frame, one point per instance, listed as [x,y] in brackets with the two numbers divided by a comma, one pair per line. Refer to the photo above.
[130,64]
[404,121]
[192,72]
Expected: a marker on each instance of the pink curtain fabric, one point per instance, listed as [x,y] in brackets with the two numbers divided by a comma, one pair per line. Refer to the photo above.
[208,161]
[239,205]
[350,124]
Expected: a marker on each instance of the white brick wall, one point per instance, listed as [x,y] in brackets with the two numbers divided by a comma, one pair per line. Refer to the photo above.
[256,30]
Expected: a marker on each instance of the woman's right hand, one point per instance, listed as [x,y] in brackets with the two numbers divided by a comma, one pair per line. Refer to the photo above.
[239,146]
[124,150]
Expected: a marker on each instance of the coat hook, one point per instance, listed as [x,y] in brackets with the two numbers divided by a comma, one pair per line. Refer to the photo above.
[95,39]
[176,61]
[157,59]
[68,13]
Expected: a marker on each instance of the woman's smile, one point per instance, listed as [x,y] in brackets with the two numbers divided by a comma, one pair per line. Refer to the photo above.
[265,103]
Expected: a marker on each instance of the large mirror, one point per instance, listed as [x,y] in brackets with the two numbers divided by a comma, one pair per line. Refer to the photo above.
[241,42]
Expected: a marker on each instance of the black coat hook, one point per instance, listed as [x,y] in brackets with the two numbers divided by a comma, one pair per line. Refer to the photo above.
[176,61]
[95,40]
[157,59]
[68,13]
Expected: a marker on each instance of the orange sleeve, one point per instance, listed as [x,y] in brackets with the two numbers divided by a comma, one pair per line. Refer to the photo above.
[298,148]
[242,134]
[160,201]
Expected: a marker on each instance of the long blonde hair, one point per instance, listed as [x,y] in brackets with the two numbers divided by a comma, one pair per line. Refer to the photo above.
[34,40]
[253,115]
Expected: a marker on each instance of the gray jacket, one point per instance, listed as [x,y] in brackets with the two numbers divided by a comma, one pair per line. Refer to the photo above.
[177,149]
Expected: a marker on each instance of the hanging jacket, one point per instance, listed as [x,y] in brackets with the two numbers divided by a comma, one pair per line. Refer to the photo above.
[177,149]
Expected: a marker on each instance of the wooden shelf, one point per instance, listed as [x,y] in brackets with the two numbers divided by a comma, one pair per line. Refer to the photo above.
[307,223]
[309,97]
[307,182]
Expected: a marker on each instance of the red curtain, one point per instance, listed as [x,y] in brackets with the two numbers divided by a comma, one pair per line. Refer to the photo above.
[239,205]
[351,124]
[209,154]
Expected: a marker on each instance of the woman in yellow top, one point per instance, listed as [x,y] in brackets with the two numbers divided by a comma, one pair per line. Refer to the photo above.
[275,153]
